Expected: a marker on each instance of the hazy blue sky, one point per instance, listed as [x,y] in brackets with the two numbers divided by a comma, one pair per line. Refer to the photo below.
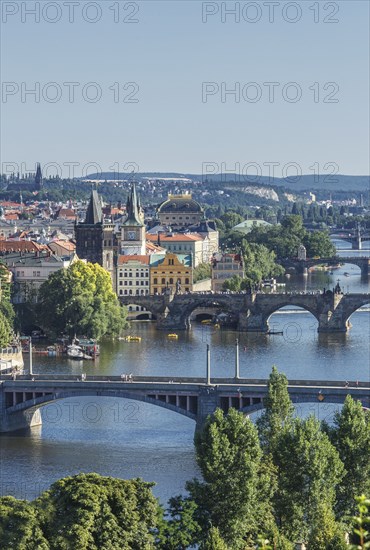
[172,49]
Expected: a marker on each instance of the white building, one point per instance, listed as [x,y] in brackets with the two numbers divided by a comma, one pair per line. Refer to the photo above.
[31,270]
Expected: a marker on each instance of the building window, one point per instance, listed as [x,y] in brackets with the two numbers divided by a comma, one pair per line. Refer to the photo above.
[187,280]
[171,281]
[186,289]
[163,281]
[155,290]
[155,280]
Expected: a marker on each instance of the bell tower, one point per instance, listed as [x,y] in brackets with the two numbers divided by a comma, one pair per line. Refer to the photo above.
[132,239]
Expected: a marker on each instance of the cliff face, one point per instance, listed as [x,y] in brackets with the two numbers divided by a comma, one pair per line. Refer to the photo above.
[261,192]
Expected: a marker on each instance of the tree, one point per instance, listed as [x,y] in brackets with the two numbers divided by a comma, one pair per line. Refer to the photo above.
[234,284]
[278,410]
[351,437]
[179,530]
[214,541]
[318,243]
[228,454]
[5,331]
[89,512]
[309,472]
[201,272]
[81,300]
[19,526]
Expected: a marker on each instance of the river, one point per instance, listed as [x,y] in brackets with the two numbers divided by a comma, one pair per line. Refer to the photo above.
[129,439]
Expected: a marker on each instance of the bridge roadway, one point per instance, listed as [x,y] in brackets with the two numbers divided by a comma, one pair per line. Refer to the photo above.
[301,266]
[251,311]
[355,237]
[21,399]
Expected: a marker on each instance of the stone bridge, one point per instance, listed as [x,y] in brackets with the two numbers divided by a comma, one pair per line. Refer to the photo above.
[355,237]
[252,311]
[301,266]
[196,398]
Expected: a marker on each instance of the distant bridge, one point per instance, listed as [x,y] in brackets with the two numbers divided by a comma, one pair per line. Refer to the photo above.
[251,311]
[355,236]
[363,262]
[196,398]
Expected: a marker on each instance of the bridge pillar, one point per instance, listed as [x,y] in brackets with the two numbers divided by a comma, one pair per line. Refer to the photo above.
[334,318]
[252,322]
[208,401]
[11,422]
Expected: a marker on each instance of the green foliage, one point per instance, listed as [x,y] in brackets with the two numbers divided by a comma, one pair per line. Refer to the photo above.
[309,472]
[351,437]
[180,529]
[90,512]
[214,541]
[82,301]
[278,410]
[19,526]
[5,331]
[6,308]
[201,272]
[284,239]
[228,454]
[5,283]
[362,524]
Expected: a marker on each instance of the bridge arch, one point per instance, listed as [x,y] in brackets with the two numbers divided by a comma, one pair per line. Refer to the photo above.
[351,309]
[206,302]
[274,308]
[31,407]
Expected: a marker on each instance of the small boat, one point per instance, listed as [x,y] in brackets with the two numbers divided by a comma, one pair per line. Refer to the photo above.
[275,332]
[346,274]
[217,325]
[173,336]
[75,352]
[206,322]
[133,338]
[52,351]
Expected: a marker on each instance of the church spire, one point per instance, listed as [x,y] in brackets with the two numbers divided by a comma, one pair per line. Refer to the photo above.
[38,176]
[133,208]
[94,213]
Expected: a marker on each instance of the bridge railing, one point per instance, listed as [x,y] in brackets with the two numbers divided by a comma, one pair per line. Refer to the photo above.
[179,380]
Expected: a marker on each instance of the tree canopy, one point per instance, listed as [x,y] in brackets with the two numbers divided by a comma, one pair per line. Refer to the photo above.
[82,301]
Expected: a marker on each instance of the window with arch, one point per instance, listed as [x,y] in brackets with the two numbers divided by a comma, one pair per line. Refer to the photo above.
[163,281]
[155,280]
[187,280]
[171,281]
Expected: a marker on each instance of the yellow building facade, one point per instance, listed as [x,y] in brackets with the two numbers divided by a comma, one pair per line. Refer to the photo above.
[172,273]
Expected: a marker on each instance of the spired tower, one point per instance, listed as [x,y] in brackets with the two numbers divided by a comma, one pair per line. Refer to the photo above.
[38,178]
[132,237]
[94,238]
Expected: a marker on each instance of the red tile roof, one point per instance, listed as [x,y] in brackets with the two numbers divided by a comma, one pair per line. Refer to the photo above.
[125,258]
[177,237]
[20,246]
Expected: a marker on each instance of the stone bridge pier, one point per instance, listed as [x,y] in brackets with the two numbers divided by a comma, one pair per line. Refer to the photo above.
[20,419]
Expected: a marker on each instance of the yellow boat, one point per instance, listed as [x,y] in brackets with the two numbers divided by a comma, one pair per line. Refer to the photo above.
[133,338]
[174,336]
[206,322]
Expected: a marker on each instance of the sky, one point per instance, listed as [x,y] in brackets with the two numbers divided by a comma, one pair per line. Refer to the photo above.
[187,86]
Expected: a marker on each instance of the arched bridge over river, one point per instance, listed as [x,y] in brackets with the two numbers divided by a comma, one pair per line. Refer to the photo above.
[196,398]
[252,311]
[301,266]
